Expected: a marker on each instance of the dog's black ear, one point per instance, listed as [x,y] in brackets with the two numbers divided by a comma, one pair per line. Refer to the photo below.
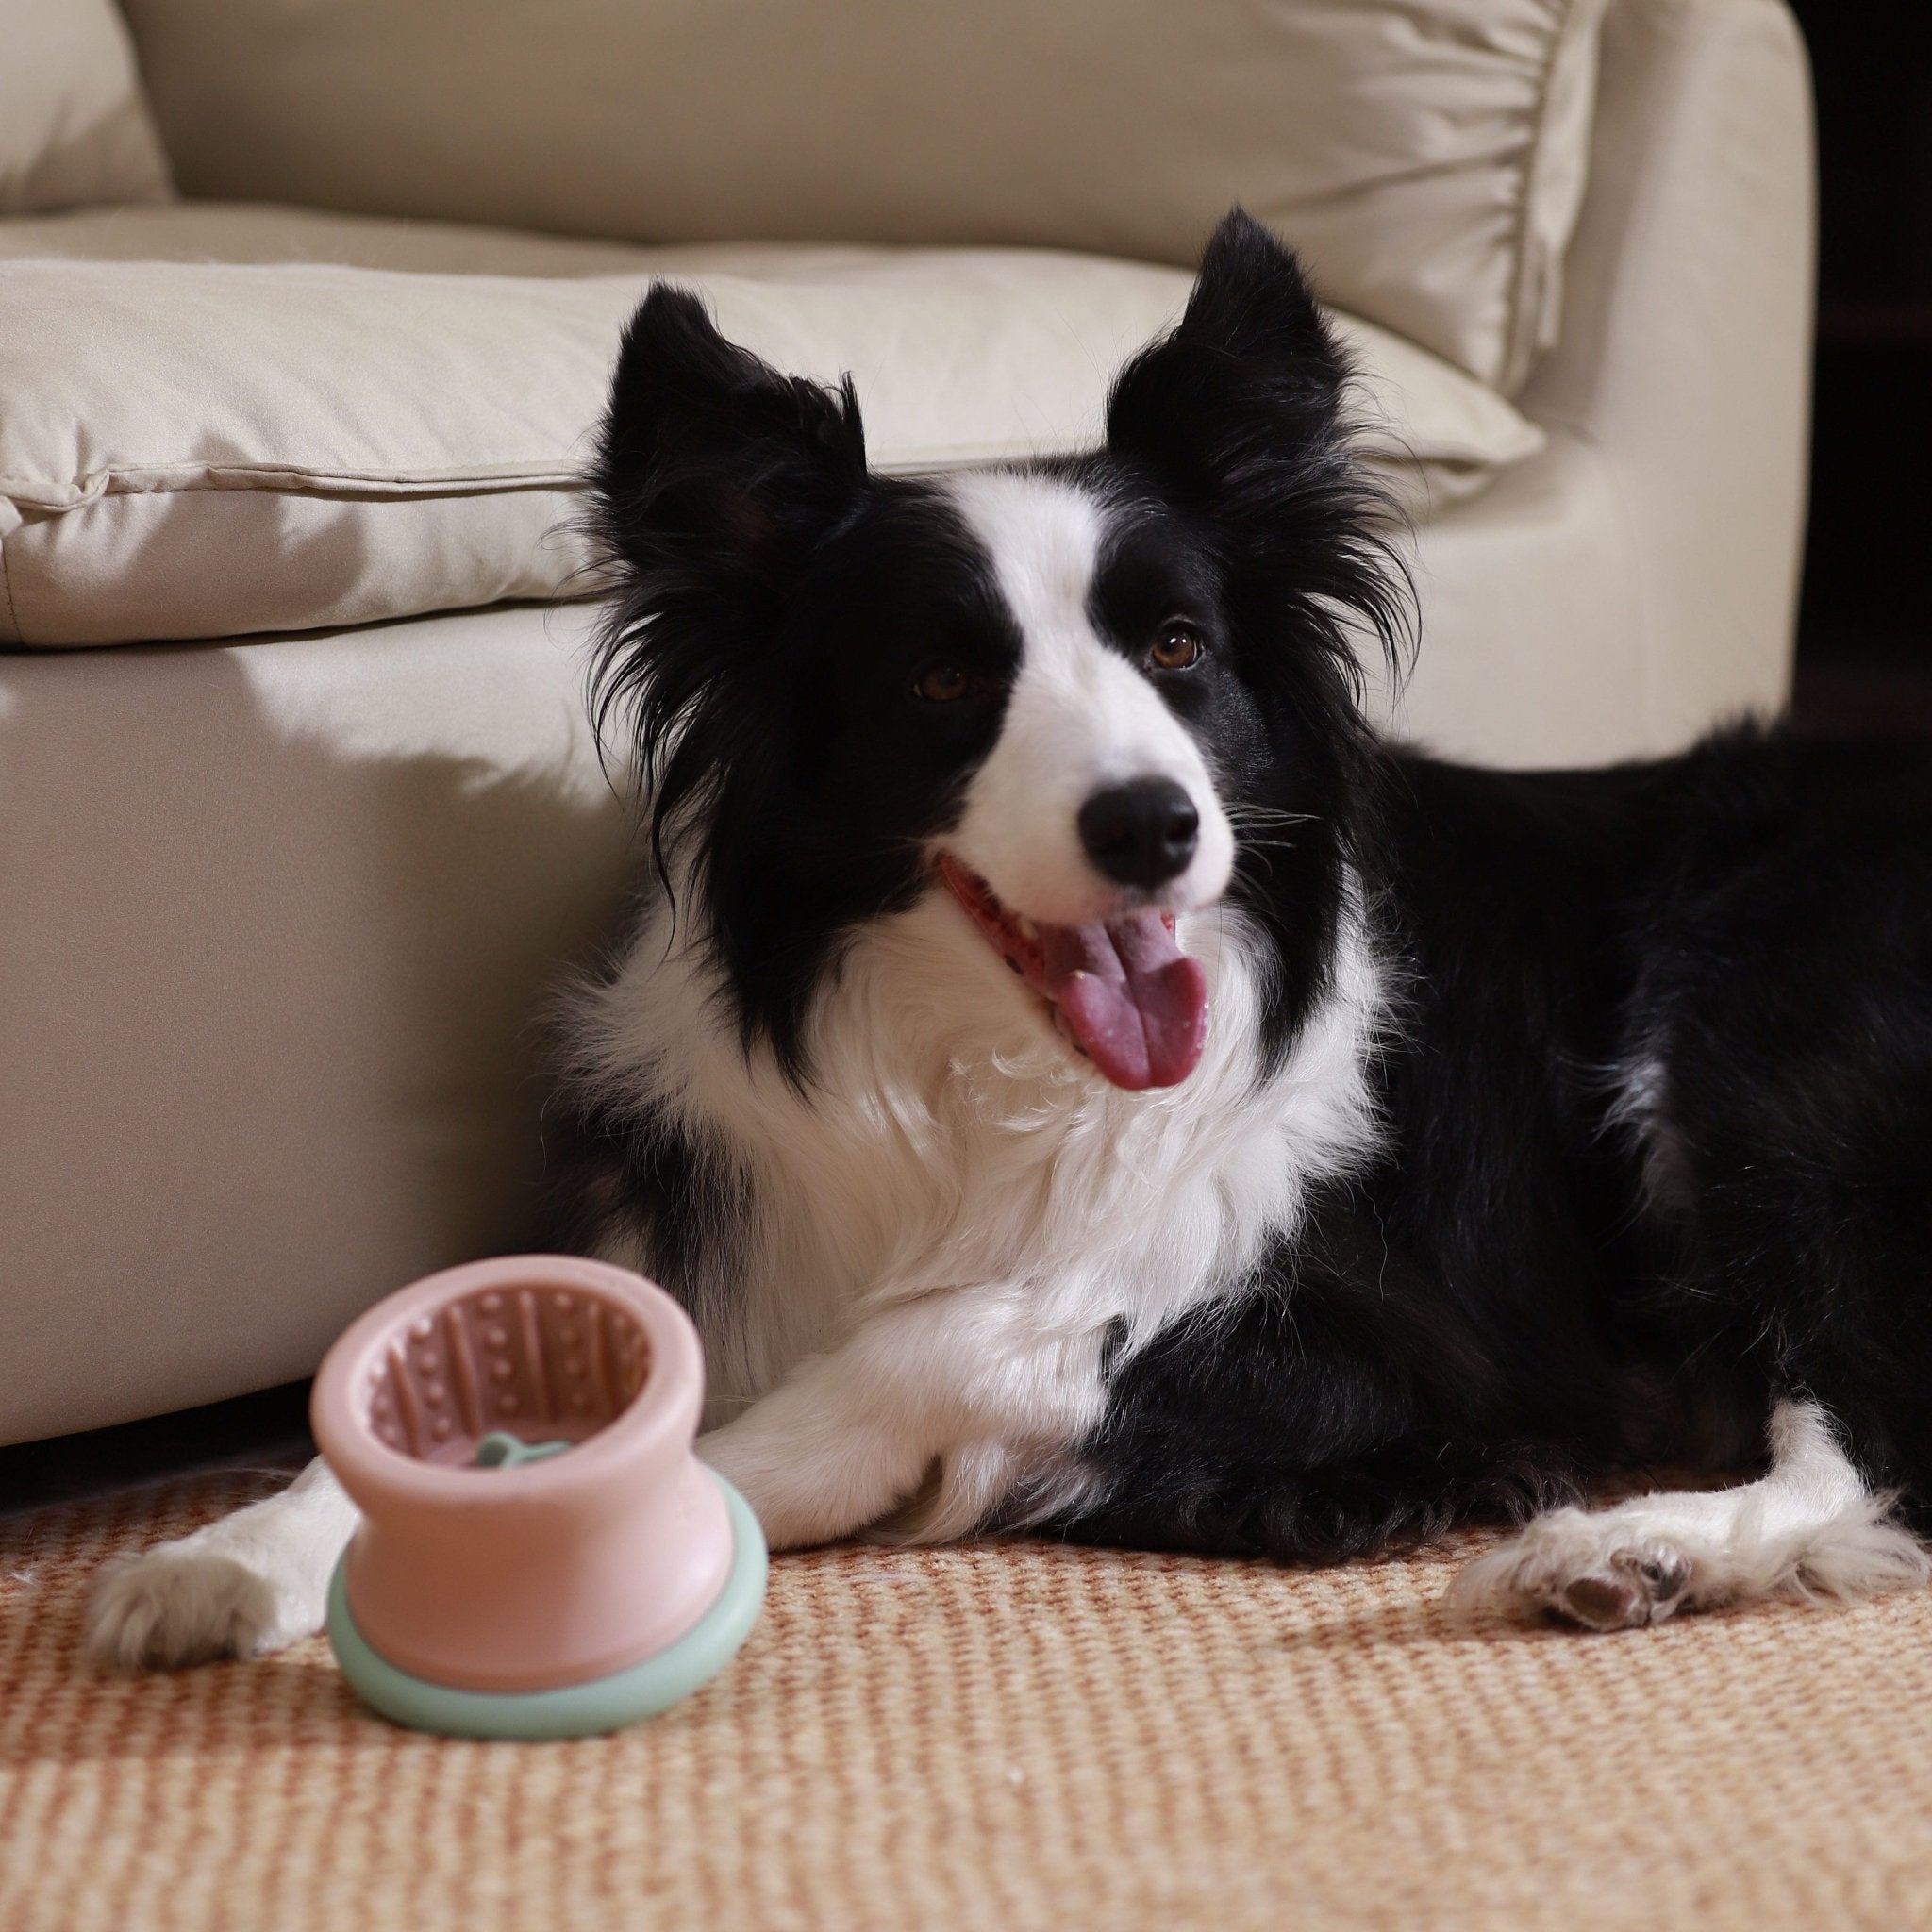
[1239,414]
[1249,378]
[715,478]
[712,465]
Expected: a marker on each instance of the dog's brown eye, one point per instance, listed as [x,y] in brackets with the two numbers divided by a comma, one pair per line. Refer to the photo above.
[944,684]
[1177,648]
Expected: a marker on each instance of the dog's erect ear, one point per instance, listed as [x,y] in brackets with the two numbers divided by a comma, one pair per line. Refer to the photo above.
[1252,301]
[1250,377]
[712,463]
[1238,413]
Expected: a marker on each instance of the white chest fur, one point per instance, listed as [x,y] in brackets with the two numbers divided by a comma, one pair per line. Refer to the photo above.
[955,1188]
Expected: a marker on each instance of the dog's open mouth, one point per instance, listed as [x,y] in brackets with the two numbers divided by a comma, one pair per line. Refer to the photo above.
[1123,992]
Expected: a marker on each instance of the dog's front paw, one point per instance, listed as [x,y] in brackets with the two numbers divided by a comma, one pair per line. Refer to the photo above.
[180,1604]
[1587,1570]
[742,1459]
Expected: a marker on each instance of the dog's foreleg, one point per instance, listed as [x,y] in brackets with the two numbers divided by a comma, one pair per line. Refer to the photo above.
[849,1435]
[241,1587]
[1809,1528]
[816,1459]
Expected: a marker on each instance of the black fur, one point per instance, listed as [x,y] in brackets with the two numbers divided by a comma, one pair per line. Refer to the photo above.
[1238,421]
[638,1177]
[1505,1276]
[1531,1282]
[771,584]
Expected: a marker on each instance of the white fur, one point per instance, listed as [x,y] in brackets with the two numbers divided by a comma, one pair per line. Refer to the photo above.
[1810,1529]
[947,1226]
[1640,1096]
[1080,717]
[241,1587]
[952,1215]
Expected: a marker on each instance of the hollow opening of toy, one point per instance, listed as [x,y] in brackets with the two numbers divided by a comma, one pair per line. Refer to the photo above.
[538,1365]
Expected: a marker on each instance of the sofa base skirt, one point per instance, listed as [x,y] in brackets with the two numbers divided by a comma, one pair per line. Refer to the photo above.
[280,921]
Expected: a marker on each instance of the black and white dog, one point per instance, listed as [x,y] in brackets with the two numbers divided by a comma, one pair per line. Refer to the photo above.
[1079,1077]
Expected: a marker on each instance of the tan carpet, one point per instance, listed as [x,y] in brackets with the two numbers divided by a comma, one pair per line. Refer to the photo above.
[1001,1738]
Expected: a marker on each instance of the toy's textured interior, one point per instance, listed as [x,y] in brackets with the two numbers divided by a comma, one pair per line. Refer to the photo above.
[539,1363]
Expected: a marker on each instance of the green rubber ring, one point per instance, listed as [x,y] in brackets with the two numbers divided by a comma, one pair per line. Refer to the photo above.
[575,1710]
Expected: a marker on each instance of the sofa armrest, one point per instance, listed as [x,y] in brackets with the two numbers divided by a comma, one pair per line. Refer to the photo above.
[1685,358]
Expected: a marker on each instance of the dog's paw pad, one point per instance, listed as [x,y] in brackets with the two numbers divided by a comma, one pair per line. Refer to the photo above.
[170,1607]
[1580,1569]
[1625,1593]
[1604,1603]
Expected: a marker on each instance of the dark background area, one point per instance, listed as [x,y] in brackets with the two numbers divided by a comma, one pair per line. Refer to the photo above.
[1865,623]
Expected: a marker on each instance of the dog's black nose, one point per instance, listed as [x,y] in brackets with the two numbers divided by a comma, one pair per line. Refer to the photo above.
[1140,834]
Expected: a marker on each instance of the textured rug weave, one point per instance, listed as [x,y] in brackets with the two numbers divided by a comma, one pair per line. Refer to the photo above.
[1001,1738]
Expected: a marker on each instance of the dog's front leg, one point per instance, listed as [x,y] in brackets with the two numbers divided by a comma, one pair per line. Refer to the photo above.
[850,1434]
[242,1586]
[816,1458]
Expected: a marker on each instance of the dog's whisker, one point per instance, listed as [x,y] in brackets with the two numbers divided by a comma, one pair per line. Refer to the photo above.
[1259,814]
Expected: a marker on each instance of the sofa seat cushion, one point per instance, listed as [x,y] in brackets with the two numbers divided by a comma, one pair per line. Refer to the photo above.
[208,447]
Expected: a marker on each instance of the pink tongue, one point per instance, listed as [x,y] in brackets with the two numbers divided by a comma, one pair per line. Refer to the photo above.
[1130,996]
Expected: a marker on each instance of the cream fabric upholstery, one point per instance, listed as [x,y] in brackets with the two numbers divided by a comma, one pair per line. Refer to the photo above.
[1638,582]
[74,124]
[1687,369]
[198,450]
[1428,155]
[279,920]
[279,912]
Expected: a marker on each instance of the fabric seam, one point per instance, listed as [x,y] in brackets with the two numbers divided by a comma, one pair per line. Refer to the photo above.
[269,480]
[273,479]
[1510,376]
[18,636]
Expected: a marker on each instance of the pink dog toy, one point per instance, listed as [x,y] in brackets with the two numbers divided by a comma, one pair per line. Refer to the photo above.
[541,1554]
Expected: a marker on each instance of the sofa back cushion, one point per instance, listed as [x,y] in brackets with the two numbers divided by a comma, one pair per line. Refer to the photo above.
[197,449]
[1427,156]
[74,127]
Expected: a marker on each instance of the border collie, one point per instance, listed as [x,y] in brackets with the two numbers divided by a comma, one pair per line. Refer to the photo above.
[1080,1078]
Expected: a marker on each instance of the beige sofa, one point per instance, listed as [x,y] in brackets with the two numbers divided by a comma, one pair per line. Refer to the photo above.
[303,313]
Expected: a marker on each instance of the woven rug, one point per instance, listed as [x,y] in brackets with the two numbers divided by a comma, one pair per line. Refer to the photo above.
[1002,1737]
